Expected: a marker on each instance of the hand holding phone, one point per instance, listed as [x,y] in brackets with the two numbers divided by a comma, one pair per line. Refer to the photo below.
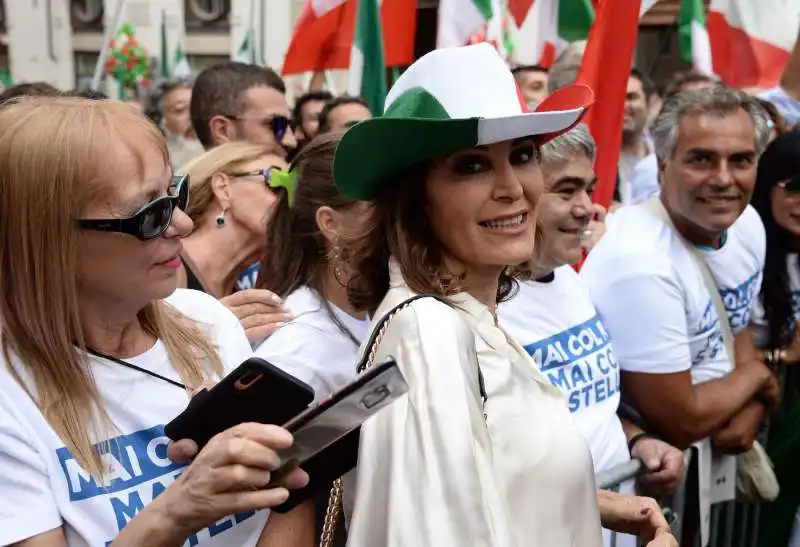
[320,427]
[256,391]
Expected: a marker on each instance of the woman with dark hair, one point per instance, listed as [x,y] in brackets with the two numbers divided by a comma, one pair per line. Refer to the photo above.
[483,450]
[775,323]
[308,269]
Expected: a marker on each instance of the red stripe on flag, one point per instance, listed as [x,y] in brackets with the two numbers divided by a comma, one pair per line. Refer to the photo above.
[325,43]
[742,60]
[605,68]
[519,10]
[548,56]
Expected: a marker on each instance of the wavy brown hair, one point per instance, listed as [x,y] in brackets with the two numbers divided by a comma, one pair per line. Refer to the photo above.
[397,226]
[56,156]
[298,253]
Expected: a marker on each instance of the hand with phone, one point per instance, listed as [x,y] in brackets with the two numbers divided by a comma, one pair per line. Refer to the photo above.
[257,391]
[231,474]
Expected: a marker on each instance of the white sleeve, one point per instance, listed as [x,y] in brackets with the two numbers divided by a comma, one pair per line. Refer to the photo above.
[232,342]
[424,474]
[298,350]
[27,505]
[643,311]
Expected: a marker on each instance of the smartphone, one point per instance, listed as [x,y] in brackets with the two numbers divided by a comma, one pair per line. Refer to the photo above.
[257,391]
[321,426]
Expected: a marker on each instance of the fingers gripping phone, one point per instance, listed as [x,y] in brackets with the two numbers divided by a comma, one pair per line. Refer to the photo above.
[257,391]
[318,428]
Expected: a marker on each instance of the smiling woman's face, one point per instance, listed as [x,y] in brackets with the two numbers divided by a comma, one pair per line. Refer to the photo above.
[481,204]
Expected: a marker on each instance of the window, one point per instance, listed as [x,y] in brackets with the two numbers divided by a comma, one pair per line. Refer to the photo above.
[207,15]
[86,15]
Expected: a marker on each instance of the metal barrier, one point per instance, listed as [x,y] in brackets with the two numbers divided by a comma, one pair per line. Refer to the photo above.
[733,524]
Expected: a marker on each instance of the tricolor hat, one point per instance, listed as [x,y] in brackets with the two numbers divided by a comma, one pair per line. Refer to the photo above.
[449,100]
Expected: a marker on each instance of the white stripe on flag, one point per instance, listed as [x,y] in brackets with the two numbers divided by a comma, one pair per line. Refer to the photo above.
[355,72]
[458,21]
[646,5]
[701,49]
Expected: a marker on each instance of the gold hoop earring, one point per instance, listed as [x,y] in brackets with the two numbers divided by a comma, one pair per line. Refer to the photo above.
[335,264]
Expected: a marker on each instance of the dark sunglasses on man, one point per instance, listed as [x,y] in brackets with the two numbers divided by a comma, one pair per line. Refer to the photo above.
[152,220]
[278,123]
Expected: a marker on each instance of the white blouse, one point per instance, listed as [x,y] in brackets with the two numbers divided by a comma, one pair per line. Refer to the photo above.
[433,472]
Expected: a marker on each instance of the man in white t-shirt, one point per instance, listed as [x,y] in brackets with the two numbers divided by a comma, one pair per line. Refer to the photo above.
[553,318]
[650,293]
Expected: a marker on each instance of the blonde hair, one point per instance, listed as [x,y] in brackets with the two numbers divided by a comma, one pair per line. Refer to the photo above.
[227,158]
[56,155]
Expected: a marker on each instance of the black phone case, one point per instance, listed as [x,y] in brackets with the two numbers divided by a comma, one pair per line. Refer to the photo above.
[256,391]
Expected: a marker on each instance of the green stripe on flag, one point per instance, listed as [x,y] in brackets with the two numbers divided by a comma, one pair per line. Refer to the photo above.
[692,12]
[368,39]
[484,7]
[575,18]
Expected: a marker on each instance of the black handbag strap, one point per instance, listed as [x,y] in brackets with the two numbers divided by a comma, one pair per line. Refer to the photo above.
[136,368]
[380,325]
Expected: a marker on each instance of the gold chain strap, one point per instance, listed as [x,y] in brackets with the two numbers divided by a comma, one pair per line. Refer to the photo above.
[332,514]
[334,510]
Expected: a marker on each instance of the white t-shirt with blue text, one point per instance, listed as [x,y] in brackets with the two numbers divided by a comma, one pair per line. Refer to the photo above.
[651,296]
[312,347]
[558,326]
[248,278]
[41,484]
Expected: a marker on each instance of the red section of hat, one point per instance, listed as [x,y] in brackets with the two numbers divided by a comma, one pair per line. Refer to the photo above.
[567,98]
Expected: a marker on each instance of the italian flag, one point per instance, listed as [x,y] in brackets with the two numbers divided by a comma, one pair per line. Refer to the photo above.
[459,21]
[181,68]
[367,67]
[751,41]
[694,42]
[324,34]
[246,53]
[546,27]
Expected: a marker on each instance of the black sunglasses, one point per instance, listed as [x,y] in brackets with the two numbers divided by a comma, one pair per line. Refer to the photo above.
[791,185]
[278,123]
[152,220]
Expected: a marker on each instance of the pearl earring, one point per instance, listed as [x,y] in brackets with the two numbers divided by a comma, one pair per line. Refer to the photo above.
[221,219]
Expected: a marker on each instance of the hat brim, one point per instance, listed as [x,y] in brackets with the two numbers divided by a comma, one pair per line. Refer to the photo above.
[372,151]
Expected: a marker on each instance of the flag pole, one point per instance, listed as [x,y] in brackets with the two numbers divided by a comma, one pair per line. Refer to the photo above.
[252,51]
[106,45]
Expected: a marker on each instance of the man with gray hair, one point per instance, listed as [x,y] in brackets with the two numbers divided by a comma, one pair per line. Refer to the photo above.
[647,279]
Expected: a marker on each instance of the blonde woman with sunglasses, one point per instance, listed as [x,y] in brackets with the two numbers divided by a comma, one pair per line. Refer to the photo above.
[99,349]
[233,190]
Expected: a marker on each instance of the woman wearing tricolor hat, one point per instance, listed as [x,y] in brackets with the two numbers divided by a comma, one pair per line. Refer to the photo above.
[483,451]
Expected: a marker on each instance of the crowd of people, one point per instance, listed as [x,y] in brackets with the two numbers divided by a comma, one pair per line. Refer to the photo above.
[149,249]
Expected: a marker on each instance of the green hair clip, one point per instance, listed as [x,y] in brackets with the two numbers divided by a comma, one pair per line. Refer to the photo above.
[284,179]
